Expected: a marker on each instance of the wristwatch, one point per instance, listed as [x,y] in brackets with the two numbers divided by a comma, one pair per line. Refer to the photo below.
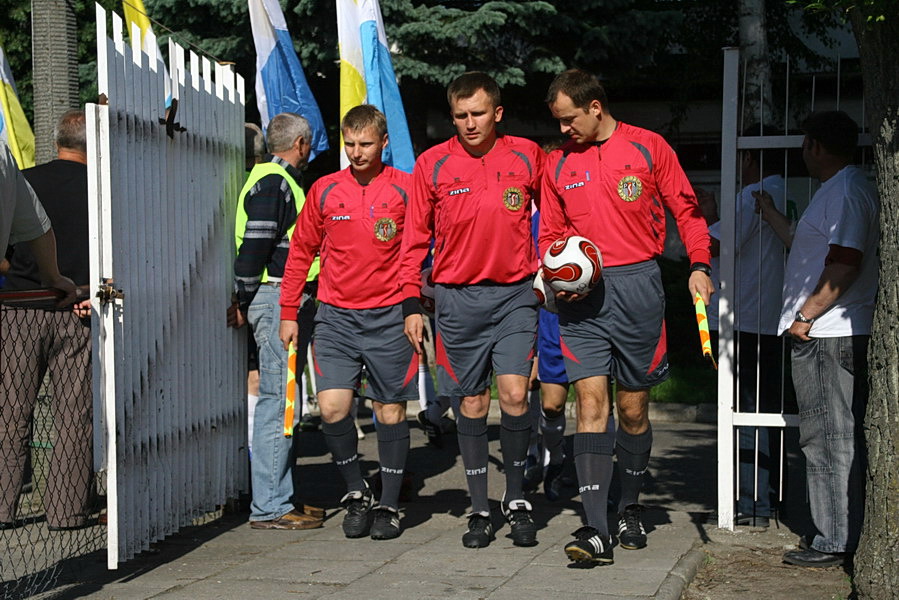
[800,318]
[701,266]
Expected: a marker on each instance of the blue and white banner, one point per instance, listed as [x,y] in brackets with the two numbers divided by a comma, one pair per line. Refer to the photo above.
[281,85]
[367,77]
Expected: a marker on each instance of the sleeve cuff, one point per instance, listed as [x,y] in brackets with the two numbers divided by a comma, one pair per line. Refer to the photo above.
[289,313]
[701,256]
[411,306]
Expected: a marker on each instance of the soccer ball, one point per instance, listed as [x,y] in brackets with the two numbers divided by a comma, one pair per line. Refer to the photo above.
[573,264]
[427,292]
[545,294]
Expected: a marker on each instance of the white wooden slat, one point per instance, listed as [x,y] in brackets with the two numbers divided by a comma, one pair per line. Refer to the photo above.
[135,37]
[177,194]
[117,28]
[207,75]
[147,124]
[140,98]
[161,288]
[175,357]
[102,51]
[208,149]
[120,276]
[114,401]
[96,118]
[195,74]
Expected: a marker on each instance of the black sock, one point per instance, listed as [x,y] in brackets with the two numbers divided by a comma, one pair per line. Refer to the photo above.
[514,437]
[633,459]
[535,409]
[552,427]
[472,435]
[393,447]
[343,443]
[593,461]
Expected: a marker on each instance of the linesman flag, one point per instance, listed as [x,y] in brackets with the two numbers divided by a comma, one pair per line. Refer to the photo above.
[702,321]
[280,82]
[290,397]
[136,14]
[14,128]
[367,77]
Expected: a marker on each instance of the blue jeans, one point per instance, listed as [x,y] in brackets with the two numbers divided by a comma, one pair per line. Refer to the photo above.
[270,467]
[830,376]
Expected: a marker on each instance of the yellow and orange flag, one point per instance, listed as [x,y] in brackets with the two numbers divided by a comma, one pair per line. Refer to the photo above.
[290,397]
[702,321]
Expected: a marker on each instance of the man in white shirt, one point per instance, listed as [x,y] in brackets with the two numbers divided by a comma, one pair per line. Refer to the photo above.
[830,285]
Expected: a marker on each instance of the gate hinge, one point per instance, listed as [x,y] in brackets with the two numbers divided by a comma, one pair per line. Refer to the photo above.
[106,293]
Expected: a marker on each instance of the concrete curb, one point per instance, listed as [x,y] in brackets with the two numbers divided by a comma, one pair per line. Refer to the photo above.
[672,412]
[681,574]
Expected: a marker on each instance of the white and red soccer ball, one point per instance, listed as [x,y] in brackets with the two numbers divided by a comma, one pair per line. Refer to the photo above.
[572,264]
[427,292]
[546,296]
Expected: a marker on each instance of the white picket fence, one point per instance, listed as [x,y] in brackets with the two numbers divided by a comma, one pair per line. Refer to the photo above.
[170,378]
[802,189]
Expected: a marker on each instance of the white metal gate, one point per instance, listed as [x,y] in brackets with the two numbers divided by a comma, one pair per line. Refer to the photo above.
[729,417]
[170,378]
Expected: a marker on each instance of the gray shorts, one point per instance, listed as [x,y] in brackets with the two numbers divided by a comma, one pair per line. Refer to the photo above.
[346,339]
[483,328]
[619,329]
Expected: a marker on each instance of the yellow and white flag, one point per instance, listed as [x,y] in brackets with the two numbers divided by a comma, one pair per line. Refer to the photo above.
[14,128]
[367,76]
[136,14]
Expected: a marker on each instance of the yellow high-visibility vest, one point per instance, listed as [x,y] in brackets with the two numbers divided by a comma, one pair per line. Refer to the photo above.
[259,171]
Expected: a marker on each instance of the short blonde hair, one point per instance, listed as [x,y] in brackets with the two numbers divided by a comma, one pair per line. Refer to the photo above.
[364,116]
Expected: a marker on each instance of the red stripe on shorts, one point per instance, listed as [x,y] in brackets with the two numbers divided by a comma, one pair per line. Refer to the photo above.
[661,350]
[315,360]
[566,351]
[413,369]
[443,359]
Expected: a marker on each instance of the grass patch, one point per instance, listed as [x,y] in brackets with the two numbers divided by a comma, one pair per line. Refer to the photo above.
[688,385]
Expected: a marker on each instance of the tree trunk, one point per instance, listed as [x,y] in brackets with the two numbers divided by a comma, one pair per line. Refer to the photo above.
[757,105]
[876,564]
[55,58]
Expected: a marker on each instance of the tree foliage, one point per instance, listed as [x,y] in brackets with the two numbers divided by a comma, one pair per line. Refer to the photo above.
[437,43]
[15,37]
[692,68]
[642,48]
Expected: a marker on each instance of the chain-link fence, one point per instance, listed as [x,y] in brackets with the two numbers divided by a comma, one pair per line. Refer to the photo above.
[50,503]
